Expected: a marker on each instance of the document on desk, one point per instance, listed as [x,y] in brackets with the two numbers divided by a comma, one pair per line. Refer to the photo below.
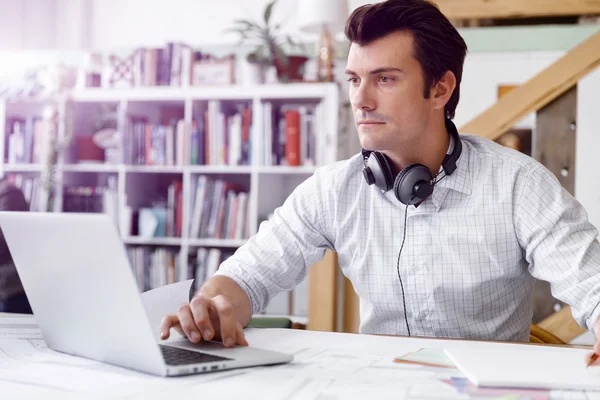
[165,300]
[326,366]
[24,327]
[535,367]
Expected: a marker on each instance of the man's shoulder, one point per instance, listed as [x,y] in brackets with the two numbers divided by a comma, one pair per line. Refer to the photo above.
[341,171]
[483,151]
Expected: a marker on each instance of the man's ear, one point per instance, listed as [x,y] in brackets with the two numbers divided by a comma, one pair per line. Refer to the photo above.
[442,90]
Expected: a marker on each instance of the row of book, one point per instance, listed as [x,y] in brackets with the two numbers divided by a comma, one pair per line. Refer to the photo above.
[153,268]
[217,137]
[220,210]
[154,144]
[162,217]
[289,134]
[206,263]
[94,199]
[222,137]
[26,140]
[32,190]
[164,66]
[156,267]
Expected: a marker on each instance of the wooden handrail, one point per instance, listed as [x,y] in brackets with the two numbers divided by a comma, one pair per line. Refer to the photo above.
[476,9]
[538,91]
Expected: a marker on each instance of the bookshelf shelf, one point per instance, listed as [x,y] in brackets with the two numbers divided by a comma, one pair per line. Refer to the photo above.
[23,167]
[161,241]
[219,169]
[232,92]
[283,169]
[97,168]
[195,163]
[234,243]
[161,169]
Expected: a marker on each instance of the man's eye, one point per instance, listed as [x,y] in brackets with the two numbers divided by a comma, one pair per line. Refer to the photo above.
[353,80]
[385,79]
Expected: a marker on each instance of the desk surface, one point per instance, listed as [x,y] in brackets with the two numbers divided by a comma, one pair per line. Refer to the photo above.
[326,365]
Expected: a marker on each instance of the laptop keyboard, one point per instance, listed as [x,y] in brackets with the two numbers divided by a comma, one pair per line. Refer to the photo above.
[176,356]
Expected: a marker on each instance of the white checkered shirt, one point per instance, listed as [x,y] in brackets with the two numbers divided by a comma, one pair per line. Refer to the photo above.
[471,248]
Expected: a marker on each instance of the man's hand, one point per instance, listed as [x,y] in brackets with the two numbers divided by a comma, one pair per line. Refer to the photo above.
[205,318]
[596,346]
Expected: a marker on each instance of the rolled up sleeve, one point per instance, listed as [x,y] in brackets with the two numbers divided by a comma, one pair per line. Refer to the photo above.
[560,243]
[277,257]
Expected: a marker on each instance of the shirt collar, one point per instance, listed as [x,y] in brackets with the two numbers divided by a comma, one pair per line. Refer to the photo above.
[460,180]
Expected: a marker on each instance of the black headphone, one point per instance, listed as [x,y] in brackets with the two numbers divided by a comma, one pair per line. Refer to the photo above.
[415,182]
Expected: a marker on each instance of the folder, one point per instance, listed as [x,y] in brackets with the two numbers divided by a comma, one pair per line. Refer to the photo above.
[526,366]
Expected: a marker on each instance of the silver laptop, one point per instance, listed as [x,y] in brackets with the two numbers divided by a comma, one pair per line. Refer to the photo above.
[83,293]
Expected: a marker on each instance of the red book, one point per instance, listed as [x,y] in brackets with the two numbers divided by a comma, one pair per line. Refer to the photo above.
[292,137]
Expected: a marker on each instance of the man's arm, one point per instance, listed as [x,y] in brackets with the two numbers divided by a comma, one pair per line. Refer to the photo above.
[276,259]
[560,243]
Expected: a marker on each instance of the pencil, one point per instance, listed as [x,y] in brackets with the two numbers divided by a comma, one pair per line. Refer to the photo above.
[592,359]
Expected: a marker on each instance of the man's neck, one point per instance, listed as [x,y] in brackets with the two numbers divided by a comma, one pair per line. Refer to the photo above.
[429,151]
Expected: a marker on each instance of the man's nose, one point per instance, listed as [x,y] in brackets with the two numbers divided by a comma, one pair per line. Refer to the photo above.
[362,98]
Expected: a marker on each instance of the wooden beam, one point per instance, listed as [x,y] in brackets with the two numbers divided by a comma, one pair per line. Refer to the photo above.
[484,9]
[538,91]
[351,309]
[555,138]
[322,294]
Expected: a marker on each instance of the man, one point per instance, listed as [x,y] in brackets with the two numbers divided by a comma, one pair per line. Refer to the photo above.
[457,261]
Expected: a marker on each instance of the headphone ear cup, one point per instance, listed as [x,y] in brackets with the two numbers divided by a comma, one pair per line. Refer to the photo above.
[409,180]
[381,171]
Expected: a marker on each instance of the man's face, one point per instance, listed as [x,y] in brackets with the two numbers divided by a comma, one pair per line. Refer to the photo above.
[386,93]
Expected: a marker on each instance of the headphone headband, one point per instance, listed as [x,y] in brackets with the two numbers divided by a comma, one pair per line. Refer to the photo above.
[449,163]
[415,182]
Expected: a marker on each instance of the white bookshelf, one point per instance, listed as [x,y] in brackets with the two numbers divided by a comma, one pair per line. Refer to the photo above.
[267,185]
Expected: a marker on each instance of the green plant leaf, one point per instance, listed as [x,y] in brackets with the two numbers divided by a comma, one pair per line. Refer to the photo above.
[268,11]
[247,24]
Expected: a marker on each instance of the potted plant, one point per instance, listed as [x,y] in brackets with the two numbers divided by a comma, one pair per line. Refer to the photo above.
[268,44]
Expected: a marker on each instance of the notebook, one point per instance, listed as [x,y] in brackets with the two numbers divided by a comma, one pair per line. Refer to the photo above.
[524,366]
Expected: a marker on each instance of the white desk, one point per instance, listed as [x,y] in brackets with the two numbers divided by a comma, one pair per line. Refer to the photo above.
[326,366]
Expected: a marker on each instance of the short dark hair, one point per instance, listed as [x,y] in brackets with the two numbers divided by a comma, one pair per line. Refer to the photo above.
[438,46]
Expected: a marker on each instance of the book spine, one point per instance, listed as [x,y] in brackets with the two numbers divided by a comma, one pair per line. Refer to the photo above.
[292,140]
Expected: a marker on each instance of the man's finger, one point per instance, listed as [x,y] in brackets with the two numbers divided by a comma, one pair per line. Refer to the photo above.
[239,334]
[168,322]
[227,320]
[186,320]
[200,306]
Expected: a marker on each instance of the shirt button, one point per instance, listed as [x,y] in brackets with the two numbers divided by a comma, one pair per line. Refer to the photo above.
[416,268]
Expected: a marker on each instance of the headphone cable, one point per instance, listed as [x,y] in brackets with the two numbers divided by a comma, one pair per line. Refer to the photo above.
[398,264]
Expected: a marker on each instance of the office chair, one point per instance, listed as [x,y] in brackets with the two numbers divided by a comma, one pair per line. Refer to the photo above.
[540,335]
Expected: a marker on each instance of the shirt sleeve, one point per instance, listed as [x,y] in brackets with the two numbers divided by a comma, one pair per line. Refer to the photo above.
[277,258]
[560,243]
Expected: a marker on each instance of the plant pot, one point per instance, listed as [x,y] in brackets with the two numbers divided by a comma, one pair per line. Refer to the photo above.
[252,74]
[292,70]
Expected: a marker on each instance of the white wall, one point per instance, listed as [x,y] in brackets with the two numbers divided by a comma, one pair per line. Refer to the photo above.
[126,23]
[44,24]
[484,72]
[587,182]
[109,24]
